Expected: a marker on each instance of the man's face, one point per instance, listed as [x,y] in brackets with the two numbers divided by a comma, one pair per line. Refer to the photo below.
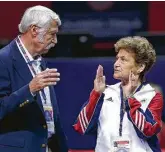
[124,64]
[47,39]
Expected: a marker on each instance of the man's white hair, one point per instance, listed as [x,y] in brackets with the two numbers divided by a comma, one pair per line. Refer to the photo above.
[38,15]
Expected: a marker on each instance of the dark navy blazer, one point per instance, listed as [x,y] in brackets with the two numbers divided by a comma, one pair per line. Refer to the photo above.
[22,124]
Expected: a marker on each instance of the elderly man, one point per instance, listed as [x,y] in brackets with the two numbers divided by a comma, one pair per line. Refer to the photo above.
[29,116]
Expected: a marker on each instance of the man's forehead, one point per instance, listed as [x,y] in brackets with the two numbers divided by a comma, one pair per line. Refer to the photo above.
[53,26]
[54,23]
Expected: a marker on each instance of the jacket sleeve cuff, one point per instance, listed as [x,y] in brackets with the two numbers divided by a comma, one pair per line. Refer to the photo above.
[24,94]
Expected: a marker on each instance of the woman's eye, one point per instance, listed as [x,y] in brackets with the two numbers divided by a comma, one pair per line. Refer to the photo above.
[123,59]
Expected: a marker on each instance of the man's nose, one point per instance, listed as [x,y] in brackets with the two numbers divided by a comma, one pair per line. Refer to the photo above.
[54,40]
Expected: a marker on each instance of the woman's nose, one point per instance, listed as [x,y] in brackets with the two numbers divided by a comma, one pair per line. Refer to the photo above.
[117,63]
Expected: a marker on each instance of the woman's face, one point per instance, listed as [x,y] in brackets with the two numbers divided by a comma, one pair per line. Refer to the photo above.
[124,64]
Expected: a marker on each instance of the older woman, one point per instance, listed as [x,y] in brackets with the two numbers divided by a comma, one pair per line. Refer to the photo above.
[126,116]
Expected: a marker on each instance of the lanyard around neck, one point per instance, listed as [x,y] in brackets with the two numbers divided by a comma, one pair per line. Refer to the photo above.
[29,63]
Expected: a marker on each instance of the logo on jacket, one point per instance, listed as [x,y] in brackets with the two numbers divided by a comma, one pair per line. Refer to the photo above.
[110,99]
[144,100]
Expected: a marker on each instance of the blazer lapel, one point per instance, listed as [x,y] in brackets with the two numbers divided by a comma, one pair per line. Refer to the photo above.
[20,65]
[54,102]
[23,70]
[43,64]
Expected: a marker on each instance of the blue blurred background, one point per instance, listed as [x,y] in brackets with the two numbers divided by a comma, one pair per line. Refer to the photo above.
[86,38]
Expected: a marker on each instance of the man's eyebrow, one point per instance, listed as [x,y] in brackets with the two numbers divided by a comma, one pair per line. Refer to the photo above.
[51,30]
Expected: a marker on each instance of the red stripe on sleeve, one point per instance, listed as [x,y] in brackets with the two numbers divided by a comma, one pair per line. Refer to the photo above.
[143,121]
[86,113]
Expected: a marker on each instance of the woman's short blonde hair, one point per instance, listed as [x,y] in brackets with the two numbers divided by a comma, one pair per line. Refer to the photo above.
[143,49]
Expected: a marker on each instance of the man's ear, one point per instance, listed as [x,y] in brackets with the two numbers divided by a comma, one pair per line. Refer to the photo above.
[33,30]
[141,68]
